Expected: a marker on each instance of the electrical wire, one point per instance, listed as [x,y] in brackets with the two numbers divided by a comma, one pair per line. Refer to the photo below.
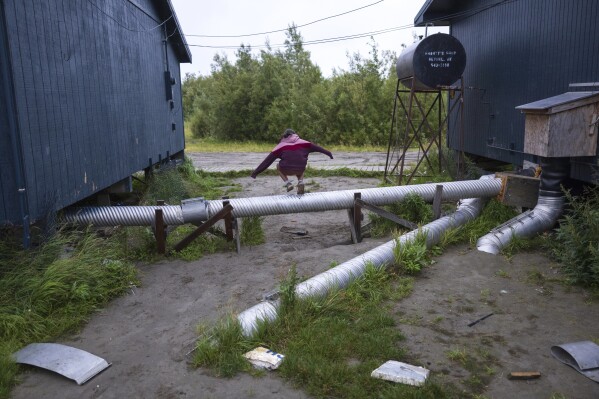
[126,27]
[316,41]
[465,14]
[298,26]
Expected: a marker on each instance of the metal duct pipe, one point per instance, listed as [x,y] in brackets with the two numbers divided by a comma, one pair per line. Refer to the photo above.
[544,215]
[341,276]
[335,200]
[197,210]
[190,211]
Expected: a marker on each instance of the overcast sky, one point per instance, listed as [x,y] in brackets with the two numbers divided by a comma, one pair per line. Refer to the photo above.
[238,17]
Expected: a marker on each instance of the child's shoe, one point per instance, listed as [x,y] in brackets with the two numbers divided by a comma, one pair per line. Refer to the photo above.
[300,187]
[289,186]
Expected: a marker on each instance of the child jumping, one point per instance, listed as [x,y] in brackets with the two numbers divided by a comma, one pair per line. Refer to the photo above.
[293,153]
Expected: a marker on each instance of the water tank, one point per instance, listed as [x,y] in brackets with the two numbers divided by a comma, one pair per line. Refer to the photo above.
[436,60]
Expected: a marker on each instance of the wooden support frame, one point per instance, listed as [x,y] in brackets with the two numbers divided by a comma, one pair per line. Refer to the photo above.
[160,229]
[204,227]
[386,214]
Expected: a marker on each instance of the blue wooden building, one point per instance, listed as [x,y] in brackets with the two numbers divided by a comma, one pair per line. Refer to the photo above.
[518,52]
[89,94]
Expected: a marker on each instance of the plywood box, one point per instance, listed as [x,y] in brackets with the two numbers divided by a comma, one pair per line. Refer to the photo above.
[562,126]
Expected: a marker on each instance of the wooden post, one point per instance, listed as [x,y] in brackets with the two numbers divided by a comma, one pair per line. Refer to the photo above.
[160,232]
[228,222]
[437,202]
[237,234]
[204,227]
[357,217]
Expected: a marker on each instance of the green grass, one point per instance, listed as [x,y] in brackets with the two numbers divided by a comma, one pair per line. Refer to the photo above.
[412,256]
[251,231]
[181,183]
[492,215]
[52,290]
[331,344]
[412,208]
[479,363]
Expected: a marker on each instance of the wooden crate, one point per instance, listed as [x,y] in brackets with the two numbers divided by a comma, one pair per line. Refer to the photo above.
[562,126]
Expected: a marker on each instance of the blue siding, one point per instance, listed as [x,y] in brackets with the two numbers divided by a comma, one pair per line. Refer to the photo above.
[9,202]
[90,95]
[519,52]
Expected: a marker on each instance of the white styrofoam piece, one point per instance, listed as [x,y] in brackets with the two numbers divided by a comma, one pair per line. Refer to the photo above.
[264,358]
[70,362]
[401,372]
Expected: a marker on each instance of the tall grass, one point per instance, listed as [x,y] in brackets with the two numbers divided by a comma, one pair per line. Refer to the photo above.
[52,290]
[251,231]
[181,183]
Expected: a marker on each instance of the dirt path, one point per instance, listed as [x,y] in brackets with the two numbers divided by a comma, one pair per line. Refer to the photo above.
[147,334]
[224,162]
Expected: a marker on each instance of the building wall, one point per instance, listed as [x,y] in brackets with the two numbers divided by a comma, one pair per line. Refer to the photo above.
[91,96]
[519,52]
[9,204]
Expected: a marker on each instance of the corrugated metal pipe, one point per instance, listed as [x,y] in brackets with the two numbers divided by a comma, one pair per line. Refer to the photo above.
[537,220]
[197,210]
[341,276]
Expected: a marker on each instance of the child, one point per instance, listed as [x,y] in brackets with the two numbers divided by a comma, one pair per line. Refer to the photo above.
[293,153]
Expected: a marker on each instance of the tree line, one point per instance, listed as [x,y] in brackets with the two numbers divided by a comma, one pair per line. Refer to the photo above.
[257,96]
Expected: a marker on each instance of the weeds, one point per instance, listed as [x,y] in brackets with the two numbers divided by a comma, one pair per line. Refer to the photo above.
[412,256]
[479,364]
[502,273]
[251,231]
[494,214]
[575,244]
[222,348]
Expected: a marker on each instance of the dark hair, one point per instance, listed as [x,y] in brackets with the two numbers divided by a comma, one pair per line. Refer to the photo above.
[288,132]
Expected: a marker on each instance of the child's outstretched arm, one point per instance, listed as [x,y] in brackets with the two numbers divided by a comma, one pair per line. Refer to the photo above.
[316,148]
[270,158]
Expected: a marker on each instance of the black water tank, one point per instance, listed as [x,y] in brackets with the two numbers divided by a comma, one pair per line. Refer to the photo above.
[436,60]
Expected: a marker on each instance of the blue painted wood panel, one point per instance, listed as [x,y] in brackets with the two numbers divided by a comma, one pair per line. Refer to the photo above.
[90,93]
[519,52]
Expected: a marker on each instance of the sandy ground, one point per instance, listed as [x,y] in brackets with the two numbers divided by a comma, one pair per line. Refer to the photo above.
[147,334]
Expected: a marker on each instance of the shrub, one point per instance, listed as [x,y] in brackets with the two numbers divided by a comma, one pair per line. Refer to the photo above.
[576,242]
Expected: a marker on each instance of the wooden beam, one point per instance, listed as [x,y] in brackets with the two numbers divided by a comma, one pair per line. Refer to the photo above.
[524,375]
[235,224]
[228,223]
[387,215]
[204,227]
[357,219]
[160,233]
[437,202]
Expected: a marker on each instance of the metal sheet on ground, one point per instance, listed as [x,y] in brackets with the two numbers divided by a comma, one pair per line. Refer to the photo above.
[70,362]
